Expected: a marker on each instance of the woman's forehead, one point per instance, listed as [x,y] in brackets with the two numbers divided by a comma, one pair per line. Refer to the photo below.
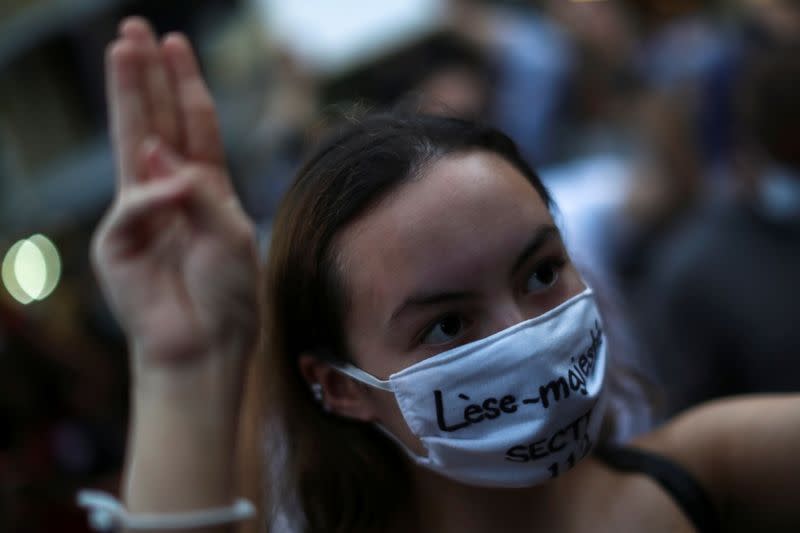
[467,212]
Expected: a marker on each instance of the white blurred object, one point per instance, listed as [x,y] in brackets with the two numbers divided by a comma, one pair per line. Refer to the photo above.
[331,36]
[106,512]
[778,193]
[31,269]
[585,190]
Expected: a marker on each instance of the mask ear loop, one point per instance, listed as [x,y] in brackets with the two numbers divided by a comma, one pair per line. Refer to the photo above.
[368,379]
[364,377]
[414,456]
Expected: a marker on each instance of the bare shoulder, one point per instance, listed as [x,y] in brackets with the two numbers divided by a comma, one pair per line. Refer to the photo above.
[695,435]
[742,450]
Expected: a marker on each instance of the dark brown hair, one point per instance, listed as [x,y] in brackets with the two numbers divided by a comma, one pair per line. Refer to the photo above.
[332,473]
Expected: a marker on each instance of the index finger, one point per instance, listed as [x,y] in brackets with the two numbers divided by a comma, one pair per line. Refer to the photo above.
[158,95]
[126,108]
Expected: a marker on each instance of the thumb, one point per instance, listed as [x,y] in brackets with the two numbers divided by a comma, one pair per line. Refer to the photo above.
[160,160]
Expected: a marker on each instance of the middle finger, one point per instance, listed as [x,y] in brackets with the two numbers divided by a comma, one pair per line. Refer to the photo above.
[160,97]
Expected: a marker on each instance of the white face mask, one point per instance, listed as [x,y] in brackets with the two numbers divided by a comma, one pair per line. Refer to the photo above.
[510,410]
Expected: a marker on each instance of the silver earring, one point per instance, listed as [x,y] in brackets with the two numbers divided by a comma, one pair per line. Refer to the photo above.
[316,390]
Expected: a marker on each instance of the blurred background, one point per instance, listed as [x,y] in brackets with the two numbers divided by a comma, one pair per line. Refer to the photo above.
[667,130]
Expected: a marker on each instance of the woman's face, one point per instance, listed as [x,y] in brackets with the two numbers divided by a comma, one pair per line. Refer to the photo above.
[465,251]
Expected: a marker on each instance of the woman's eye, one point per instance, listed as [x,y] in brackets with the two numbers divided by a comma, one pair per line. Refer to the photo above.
[545,276]
[445,330]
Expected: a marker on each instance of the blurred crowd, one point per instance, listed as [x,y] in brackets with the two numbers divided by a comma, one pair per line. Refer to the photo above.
[668,132]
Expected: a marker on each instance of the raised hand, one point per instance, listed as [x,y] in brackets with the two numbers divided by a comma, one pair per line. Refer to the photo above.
[175,254]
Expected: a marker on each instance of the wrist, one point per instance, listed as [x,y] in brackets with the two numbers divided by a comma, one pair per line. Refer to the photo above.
[213,377]
[184,351]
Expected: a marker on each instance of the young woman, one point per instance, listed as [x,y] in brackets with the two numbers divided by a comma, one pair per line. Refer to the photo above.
[431,359]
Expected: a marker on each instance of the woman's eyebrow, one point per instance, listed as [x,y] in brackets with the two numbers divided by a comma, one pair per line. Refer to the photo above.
[431,299]
[541,236]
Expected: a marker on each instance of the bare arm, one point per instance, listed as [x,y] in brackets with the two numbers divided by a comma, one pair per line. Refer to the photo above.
[181,445]
[745,452]
[175,257]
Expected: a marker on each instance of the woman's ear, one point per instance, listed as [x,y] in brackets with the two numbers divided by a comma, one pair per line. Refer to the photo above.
[336,392]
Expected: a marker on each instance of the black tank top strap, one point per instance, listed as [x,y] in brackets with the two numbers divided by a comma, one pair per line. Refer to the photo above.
[681,486]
